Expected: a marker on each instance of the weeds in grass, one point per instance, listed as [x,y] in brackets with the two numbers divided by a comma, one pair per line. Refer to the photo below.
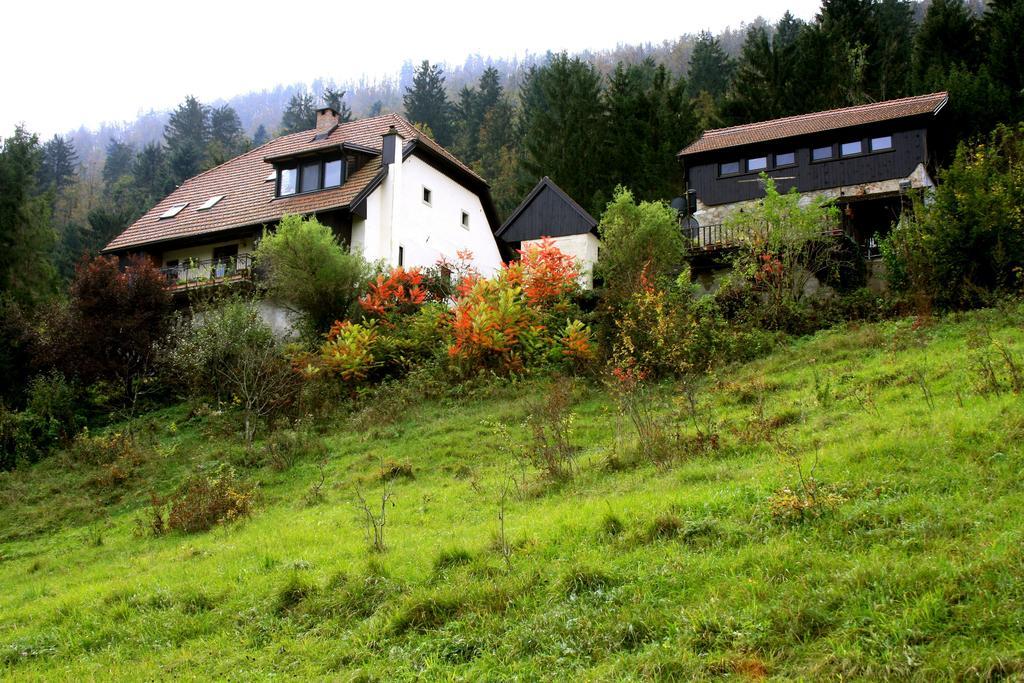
[285,447]
[824,394]
[638,403]
[996,368]
[315,494]
[805,497]
[583,580]
[390,470]
[205,500]
[450,558]
[706,429]
[375,523]
[611,525]
[294,592]
[664,527]
[922,382]
[548,425]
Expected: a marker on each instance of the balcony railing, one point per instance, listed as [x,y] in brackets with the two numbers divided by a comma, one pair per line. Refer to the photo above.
[719,236]
[206,272]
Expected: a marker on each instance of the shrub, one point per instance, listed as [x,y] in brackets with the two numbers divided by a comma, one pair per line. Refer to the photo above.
[635,239]
[351,350]
[309,270]
[112,324]
[547,275]
[968,244]
[786,245]
[400,292]
[230,353]
[54,401]
[205,500]
[285,447]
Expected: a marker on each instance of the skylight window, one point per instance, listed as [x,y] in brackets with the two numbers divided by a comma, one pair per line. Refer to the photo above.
[173,211]
[211,202]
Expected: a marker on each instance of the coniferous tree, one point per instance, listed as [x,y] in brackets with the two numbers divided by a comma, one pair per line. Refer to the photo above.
[333,99]
[227,140]
[426,102]
[376,108]
[118,162]
[710,68]
[299,115]
[563,128]
[1002,23]
[649,120]
[764,72]
[59,166]
[948,37]
[149,171]
[261,136]
[27,240]
[187,134]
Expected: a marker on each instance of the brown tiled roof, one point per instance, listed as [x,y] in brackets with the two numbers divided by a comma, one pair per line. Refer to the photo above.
[817,122]
[249,196]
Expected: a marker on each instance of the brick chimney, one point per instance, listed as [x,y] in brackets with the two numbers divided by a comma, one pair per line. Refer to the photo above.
[326,118]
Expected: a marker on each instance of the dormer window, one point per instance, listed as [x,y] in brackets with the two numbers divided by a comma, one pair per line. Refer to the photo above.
[332,173]
[311,176]
[309,180]
[289,181]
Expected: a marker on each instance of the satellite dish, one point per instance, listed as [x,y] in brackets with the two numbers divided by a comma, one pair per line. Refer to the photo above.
[679,204]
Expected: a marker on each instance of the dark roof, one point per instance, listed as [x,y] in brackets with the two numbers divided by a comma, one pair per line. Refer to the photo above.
[817,122]
[560,215]
[249,198]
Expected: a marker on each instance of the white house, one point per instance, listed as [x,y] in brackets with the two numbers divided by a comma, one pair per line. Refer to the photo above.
[381,185]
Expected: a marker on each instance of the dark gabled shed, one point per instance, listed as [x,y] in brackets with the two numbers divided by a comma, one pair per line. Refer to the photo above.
[546,212]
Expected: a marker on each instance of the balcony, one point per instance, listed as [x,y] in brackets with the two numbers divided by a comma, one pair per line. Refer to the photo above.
[208,272]
[716,237]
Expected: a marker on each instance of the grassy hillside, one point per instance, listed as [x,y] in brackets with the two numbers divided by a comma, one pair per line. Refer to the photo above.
[907,563]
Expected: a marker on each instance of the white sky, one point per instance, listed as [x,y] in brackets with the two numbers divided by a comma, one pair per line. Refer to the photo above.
[72,63]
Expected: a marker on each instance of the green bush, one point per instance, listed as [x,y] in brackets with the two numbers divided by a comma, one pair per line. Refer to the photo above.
[967,245]
[308,269]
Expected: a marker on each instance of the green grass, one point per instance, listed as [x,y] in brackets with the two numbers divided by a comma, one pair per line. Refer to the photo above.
[635,572]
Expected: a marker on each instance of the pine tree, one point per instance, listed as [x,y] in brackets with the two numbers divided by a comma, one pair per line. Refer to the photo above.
[376,108]
[1003,23]
[426,102]
[27,274]
[299,115]
[59,166]
[649,120]
[227,140]
[333,99]
[763,87]
[948,37]
[118,161]
[187,134]
[261,136]
[563,129]
[710,69]
[149,171]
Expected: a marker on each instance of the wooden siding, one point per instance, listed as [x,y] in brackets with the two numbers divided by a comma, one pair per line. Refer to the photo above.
[547,215]
[910,148]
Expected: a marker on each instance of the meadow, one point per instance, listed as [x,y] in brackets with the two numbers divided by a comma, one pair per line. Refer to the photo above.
[846,507]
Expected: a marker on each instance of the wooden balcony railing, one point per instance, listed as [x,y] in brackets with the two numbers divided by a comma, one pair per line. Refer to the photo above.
[207,272]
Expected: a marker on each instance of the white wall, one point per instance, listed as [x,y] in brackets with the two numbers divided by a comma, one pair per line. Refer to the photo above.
[425,232]
[584,248]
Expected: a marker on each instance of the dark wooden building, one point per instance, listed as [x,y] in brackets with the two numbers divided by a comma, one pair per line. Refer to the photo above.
[865,158]
[549,212]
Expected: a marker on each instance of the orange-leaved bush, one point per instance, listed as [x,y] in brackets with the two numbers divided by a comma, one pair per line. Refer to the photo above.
[545,272]
[399,292]
[491,322]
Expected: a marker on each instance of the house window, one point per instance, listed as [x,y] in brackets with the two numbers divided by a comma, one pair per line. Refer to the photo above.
[785,159]
[465,220]
[309,180]
[849,149]
[821,153]
[401,255]
[224,260]
[426,196]
[332,173]
[882,143]
[757,164]
[729,168]
[289,178]
[173,211]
